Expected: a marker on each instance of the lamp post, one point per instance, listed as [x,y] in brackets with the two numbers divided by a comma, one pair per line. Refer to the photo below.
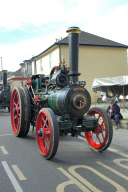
[1,68]
[1,64]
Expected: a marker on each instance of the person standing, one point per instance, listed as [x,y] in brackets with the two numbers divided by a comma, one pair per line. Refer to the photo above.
[113,111]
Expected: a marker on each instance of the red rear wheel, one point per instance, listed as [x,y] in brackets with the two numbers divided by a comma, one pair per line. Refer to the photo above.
[47,133]
[17,112]
[101,138]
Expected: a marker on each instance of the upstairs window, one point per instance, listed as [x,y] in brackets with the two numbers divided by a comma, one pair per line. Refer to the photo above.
[41,64]
[34,67]
[29,68]
[51,61]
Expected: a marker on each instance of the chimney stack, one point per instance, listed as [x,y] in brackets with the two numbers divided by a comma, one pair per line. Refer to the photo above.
[73,40]
[4,78]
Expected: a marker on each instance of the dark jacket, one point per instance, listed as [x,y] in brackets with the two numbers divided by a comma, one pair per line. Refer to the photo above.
[115,110]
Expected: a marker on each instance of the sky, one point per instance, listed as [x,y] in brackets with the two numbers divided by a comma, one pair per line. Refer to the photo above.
[28,27]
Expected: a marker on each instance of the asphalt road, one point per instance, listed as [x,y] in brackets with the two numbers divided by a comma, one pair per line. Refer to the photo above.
[74,168]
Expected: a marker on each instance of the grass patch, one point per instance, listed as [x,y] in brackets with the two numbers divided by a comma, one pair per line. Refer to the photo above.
[104,107]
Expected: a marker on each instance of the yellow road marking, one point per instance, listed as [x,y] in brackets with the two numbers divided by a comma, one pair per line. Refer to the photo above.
[118,152]
[12,177]
[18,172]
[5,135]
[113,170]
[89,185]
[72,180]
[117,161]
[4,150]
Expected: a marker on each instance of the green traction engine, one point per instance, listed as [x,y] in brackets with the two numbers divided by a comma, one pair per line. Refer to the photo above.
[59,105]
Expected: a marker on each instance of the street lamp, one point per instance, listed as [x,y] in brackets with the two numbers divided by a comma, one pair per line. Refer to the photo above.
[1,68]
[1,64]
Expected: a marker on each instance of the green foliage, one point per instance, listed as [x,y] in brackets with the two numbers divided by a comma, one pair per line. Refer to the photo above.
[104,107]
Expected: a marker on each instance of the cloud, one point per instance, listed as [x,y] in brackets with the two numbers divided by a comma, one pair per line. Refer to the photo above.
[41,22]
[13,55]
[19,13]
[110,22]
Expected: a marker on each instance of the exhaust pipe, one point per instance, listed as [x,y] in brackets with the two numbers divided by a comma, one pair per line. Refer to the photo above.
[4,78]
[73,39]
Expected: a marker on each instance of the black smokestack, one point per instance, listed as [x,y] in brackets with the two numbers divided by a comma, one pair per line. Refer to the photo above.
[73,39]
[4,78]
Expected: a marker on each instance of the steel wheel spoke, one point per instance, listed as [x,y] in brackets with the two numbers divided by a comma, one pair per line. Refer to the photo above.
[102,123]
[95,139]
[46,125]
[103,135]
[47,144]
[45,122]
[98,137]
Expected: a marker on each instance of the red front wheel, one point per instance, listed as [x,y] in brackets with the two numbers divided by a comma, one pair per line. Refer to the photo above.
[47,133]
[100,139]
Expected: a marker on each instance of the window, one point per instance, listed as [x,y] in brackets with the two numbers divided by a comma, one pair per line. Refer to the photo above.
[51,61]
[41,64]
[34,67]
[28,69]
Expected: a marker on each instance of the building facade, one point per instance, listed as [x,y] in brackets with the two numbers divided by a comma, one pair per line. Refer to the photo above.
[17,79]
[98,58]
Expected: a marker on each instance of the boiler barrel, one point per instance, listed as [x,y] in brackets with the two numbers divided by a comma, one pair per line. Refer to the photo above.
[69,100]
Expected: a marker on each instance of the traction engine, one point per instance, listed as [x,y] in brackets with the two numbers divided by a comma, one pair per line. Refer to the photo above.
[5,94]
[57,105]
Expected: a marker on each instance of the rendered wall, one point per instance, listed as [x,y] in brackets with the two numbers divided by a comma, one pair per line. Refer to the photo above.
[46,61]
[17,83]
[95,62]
[100,63]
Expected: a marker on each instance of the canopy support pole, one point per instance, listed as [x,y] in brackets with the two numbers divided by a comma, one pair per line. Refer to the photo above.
[95,98]
[123,98]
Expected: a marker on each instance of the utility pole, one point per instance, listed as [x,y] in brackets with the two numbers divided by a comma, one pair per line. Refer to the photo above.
[1,68]
[1,64]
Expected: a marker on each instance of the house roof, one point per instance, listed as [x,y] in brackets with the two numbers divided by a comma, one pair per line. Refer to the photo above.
[18,72]
[88,39]
[21,64]
[25,61]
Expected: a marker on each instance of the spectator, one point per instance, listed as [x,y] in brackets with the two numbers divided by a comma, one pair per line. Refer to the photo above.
[113,111]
